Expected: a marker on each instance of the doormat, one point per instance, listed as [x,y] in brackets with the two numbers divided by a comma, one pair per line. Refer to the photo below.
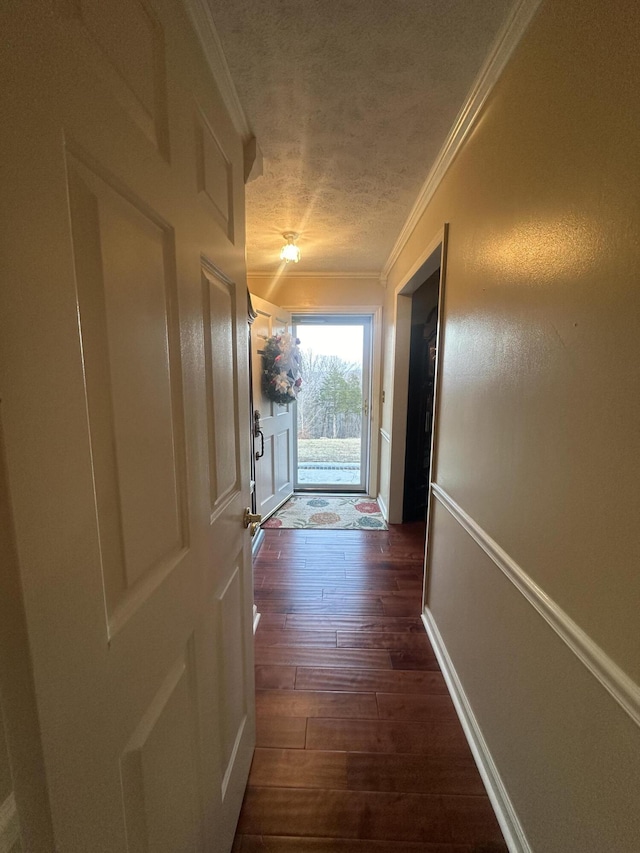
[314,512]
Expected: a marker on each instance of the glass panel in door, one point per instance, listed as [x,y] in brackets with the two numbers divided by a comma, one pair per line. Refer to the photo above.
[332,437]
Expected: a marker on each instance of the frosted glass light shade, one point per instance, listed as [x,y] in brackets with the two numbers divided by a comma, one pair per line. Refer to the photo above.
[290,252]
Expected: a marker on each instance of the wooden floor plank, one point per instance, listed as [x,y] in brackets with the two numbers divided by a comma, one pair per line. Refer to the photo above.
[363,815]
[415,707]
[293,596]
[321,607]
[393,624]
[285,732]
[354,586]
[364,771]
[272,620]
[368,680]
[445,739]
[400,642]
[276,677]
[293,844]
[315,703]
[292,580]
[290,656]
[281,637]
[354,597]
[400,607]
[406,659]
[472,819]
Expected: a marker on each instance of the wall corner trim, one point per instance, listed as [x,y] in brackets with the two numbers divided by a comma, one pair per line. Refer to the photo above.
[621,687]
[9,827]
[506,42]
[505,812]
[200,16]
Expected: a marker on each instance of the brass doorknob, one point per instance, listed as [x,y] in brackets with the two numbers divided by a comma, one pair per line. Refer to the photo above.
[251,520]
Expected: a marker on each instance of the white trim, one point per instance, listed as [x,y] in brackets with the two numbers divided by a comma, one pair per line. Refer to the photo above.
[621,687]
[385,434]
[504,45]
[307,274]
[9,825]
[200,15]
[426,264]
[374,311]
[434,256]
[256,618]
[256,543]
[383,507]
[502,805]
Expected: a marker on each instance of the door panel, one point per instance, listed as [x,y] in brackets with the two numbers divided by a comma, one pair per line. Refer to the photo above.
[124,383]
[126,284]
[161,760]
[274,470]
[219,321]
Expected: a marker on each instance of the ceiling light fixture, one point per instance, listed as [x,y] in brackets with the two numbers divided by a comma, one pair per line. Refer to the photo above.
[290,252]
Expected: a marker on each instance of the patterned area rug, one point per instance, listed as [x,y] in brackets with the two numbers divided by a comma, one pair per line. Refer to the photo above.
[318,512]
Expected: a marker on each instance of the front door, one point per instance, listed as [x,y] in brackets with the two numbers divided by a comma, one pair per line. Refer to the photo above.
[123,379]
[274,433]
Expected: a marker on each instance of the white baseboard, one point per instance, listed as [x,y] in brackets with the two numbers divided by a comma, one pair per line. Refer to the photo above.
[505,812]
[256,618]
[9,826]
[383,508]
[256,542]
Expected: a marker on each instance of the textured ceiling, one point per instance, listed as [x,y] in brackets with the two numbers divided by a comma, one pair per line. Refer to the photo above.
[351,101]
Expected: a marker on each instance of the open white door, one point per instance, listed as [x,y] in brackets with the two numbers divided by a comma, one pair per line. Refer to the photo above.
[123,379]
[274,448]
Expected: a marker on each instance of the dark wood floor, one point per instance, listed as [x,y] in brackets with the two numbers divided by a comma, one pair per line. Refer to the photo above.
[359,747]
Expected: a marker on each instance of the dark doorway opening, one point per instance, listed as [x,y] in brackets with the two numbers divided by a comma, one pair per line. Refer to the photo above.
[422,367]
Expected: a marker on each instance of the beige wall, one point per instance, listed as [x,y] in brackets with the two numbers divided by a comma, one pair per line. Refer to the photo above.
[6,785]
[336,291]
[539,418]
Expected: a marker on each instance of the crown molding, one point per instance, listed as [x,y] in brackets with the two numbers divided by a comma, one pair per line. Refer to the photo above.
[506,42]
[200,15]
[308,274]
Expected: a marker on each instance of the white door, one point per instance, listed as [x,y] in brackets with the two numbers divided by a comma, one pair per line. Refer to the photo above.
[123,379]
[274,448]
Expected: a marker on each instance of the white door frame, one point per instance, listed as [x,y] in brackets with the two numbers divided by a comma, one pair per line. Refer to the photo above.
[433,257]
[376,372]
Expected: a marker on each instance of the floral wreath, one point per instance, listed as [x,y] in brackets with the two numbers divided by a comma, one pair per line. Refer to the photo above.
[281,378]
